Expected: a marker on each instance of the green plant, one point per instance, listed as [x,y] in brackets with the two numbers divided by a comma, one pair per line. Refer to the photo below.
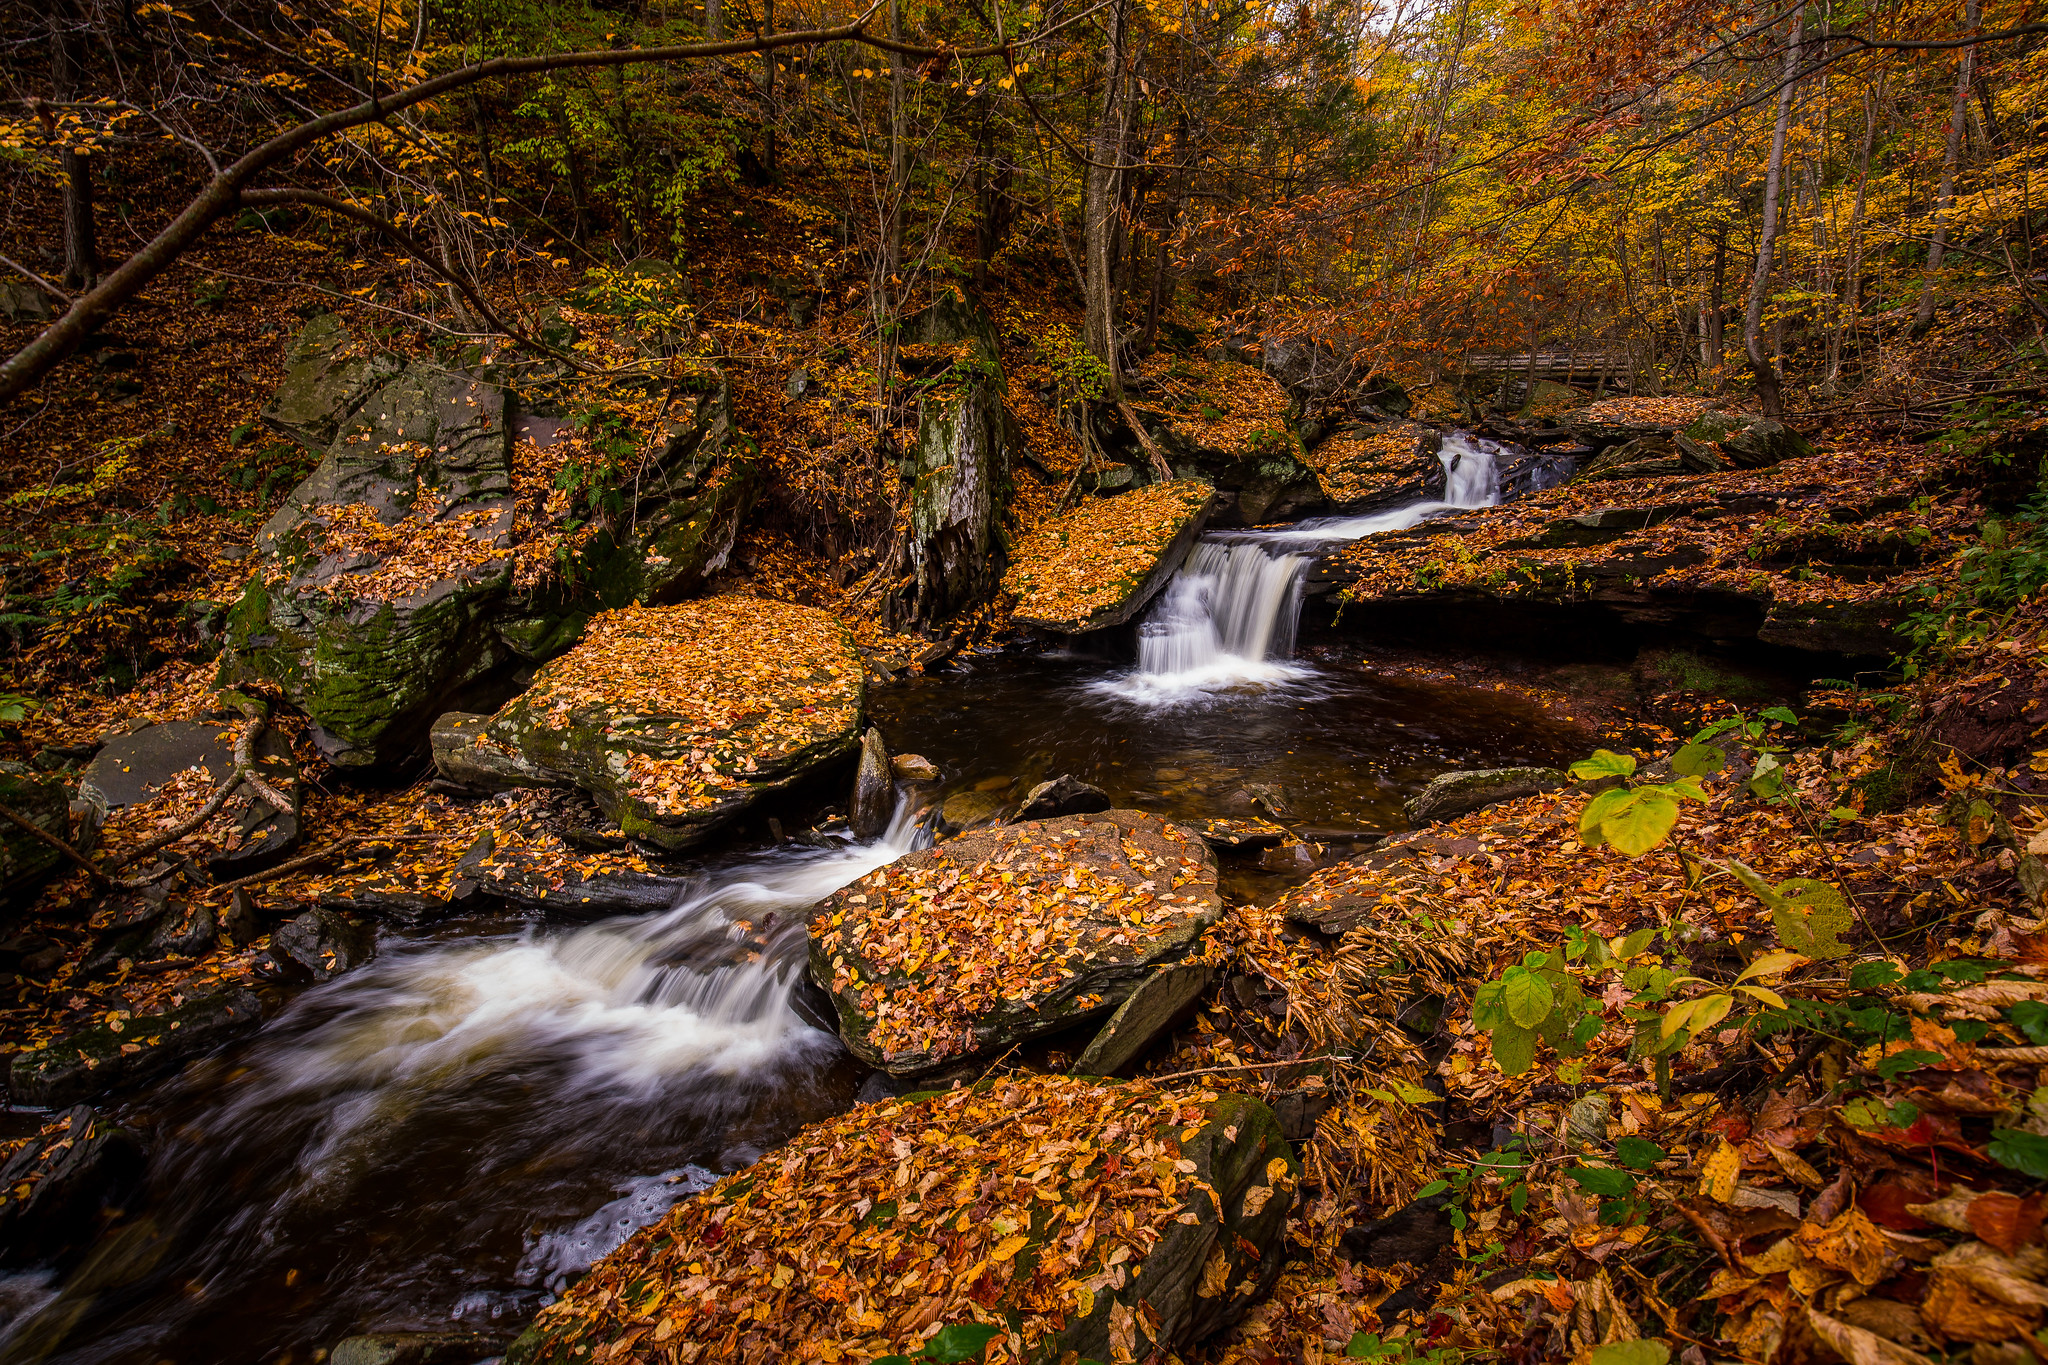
[1635,819]
[955,1342]
[1401,1351]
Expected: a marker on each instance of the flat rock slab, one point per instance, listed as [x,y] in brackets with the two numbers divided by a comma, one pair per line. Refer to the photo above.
[1145,1014]
[1056,1209]
[1005,934]
[676,719]
[133,768]
[1242,833]
[97,1059]
[1452,794]
[1099,565]
[1367,467]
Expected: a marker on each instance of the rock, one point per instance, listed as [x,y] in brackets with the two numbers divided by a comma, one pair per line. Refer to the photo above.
[959,471]
[240,922]
[131,768]
[965,810]
[913,768]
[1062,795]
[1099,566]
[1212,1233]
[43,801]
[416,1348]
[1004,934]
[328,375]
[21,301]
[1869,628]
[1452,794]
[189,932]
[1742,441]
[98,1059]
[1368,466]
[56,1192]
[678,719]
[1268,797]
[1145,1014]
[324,943]
[1264,481]
[1253,833]
[874,789]
[1414,1235]
[378,580]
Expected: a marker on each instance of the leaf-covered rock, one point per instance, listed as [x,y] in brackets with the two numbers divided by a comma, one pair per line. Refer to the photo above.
[44,802]
[1079,1218]
[328,374]
[677,719]
[1004,934]
[1099,565]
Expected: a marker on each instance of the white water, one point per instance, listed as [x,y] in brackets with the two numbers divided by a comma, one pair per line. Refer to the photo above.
[1227,620]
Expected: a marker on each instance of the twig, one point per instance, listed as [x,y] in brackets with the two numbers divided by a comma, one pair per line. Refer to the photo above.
[293,865]
[1247,1066]
[62,846]
[37,280]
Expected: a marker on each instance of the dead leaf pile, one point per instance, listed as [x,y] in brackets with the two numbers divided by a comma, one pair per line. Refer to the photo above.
[1075,567]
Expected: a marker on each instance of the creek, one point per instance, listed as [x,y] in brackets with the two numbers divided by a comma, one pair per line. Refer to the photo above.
[441,1139]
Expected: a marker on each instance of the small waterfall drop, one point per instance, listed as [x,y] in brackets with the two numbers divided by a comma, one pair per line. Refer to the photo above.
[1228,618]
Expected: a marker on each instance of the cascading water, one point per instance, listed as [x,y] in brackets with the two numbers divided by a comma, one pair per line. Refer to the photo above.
[1228,618]
[427,1137]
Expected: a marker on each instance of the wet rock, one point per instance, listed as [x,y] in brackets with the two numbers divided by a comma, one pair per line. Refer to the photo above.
[1146,1014]
[1005,934]
[964,810]
[1868,628]
[679,719]
[240,922]
[1253,833]
[328,375]
[55,1191]
[324,943]
[21,301]
[44,802]
[874,790]
[378,580]
[1452,794]
[1299,1109]
[416,1348]
[1206,1257]
[1292,855]
[1100,565]
[913,768]
[189,932]
[132,767]
[98,1059]
[1362,468]
[1063,795]
[1648,457]
[1268,797]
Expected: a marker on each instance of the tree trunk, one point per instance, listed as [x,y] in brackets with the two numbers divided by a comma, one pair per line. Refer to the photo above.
[483,144]
[67,70]
[1099,210]
[1945,194]
[714,19]
[1850,310]
[1767,380]
[899,145]
[1716,333]
[768,60]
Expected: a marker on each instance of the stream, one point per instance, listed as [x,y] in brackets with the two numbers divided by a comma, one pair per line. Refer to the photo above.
[441,1139]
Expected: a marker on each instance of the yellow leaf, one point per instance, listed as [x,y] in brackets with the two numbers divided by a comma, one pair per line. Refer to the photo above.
[1008,1247]
[1720,1173]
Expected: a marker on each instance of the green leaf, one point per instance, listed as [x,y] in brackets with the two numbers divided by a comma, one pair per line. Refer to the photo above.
[1810,916]
[1603,1180]
[2031,1018]
[1594,816]
[1769,778]
[1605,763]
[1640,821]
[896,1360]
[1779,713]
[1899,1063]
[1489,1008]
[1697,760]
[1632,1353]
[1634,943]
[1433,1187]
[1514,1048]
[1528,996]
[1638,1153]
[2021,1151]
[1518,1198]
[960,1341]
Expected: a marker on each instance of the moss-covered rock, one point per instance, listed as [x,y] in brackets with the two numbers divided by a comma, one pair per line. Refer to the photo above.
[1099,565]
[1078,1218]
[1007,933]
[45,802]
[328,374]
[677,719]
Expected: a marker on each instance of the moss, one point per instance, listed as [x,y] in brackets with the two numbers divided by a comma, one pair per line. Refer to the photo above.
[1685,671]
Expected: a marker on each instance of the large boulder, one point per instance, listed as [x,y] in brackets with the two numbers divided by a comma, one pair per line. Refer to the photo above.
[1007,933]
[1078,1218]
[42,801]
[676,719]
[1225,424]
[136,768]
[959,470]
[1099,565]
[1745,442]
[1378,464]
[328,374]
[57,1190]
[377,581]
[1452,794]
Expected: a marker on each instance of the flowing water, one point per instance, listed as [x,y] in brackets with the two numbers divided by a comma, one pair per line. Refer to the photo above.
[443,1138]
[1227,620]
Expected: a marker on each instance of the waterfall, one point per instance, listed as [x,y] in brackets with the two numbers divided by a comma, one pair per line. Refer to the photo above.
[1228,618]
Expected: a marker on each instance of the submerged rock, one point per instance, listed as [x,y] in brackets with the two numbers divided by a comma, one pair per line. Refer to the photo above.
[416,1348]
[1155,1218]
[97,1059]
[1452,794]
[913,768]
[132,768]
[1099,565]
[965,810]
[677,719]
[1005,934]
